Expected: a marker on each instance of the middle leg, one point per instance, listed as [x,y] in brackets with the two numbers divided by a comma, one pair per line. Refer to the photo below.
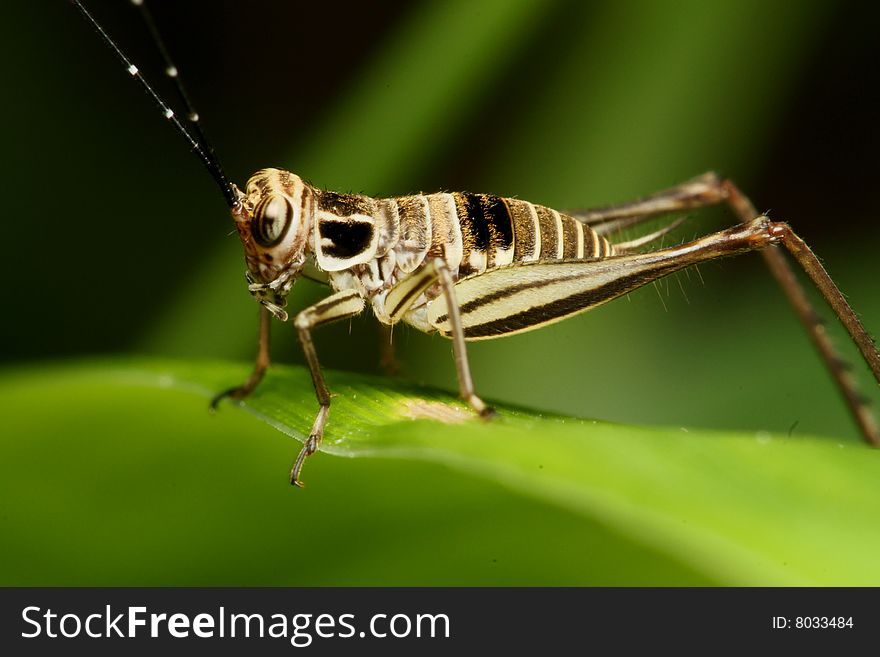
[400,299]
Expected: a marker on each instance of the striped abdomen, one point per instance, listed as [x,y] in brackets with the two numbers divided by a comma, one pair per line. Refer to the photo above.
[477,232]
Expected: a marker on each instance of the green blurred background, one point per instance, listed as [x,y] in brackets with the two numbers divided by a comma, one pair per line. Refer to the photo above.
[117,242]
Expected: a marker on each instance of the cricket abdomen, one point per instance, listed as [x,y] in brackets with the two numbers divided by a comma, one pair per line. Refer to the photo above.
[474,233]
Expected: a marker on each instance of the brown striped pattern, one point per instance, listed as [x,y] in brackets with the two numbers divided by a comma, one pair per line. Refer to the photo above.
[527,244]
[474,233]
[569,238]
[549,233]
[592,244]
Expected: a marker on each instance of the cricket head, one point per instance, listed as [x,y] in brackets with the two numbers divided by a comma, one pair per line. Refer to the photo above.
[274,219]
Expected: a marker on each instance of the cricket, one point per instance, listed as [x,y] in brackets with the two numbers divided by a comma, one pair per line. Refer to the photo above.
[477,266]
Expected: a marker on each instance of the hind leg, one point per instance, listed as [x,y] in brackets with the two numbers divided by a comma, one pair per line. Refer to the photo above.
[709,189]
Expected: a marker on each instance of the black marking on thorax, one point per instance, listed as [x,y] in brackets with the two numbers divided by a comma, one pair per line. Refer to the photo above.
[348,238]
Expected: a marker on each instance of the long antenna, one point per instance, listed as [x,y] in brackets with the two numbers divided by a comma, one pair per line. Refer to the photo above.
[200,145]
[173,72]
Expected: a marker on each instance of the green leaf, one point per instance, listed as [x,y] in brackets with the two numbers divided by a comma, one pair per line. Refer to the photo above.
[114,473]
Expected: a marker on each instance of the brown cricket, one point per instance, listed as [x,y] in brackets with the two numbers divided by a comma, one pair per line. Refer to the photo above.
[478,266]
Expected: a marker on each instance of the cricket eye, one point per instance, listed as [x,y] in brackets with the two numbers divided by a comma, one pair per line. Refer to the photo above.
[272,218]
